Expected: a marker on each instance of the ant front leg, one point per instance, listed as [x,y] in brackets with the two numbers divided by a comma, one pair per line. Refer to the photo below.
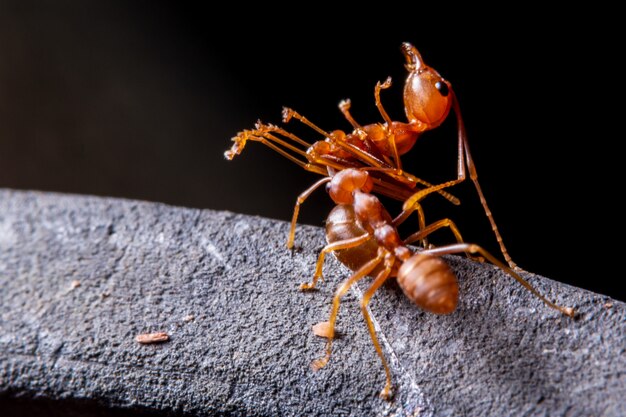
[339,245]
[341,291]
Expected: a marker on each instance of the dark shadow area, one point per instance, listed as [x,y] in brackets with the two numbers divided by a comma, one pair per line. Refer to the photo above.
[140,99]
[43,407]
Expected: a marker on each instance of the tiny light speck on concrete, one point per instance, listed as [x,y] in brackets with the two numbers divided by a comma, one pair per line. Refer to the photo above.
[147,267]
[148,338]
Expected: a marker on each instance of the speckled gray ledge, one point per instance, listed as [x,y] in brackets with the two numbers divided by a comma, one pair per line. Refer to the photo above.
[224,288]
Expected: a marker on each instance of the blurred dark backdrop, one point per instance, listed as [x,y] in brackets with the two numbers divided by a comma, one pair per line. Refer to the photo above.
[139,100]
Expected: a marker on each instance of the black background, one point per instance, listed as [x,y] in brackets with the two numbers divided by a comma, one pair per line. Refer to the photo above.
[140,99]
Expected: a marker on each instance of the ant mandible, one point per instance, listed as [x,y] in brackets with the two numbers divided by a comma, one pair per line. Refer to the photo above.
[361,234]
[428,99]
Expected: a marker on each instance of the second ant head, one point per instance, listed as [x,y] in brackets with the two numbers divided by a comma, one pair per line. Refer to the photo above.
[427,95]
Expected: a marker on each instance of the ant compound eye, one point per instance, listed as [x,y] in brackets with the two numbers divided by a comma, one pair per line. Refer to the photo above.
[442,87]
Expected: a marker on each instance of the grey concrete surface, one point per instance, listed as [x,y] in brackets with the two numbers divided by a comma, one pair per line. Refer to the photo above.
[146,267]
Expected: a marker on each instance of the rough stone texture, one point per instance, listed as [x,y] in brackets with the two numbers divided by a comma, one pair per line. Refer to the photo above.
[144,267]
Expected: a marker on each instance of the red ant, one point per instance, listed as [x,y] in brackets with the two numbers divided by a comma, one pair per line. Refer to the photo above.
[360,231]
[361,234]
[428,99]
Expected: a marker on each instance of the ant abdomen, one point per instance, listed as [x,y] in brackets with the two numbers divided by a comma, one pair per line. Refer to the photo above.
[430,283]
[341,224]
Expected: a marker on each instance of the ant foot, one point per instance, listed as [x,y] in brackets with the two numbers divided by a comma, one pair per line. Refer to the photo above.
[307,286]
[517,268]
[568,311]
[385,85]
[318,364]
[386,394]
[323,329]
[287,114]
[294,249]
[345,104]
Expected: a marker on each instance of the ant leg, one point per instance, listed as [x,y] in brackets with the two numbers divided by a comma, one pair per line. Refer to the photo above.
[390,136]
[263,136]
[264,133]
[431,228]
[273,128]
[344,107]
[380,279]
[421,218]
[421,194]
[290,113]
[341,244]
[425,231]
[393,171]
[379,104]
[343,288]
[412,204]
[296,210]
[472,248]
[465,158]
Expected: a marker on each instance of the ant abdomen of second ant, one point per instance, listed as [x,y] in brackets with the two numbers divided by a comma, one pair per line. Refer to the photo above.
[342,224]
[430,283]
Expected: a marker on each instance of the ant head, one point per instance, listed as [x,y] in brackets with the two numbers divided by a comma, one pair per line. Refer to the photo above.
[427,95]
[343,184]
[430,283]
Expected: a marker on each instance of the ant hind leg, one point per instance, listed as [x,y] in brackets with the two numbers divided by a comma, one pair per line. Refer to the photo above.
[475,249]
